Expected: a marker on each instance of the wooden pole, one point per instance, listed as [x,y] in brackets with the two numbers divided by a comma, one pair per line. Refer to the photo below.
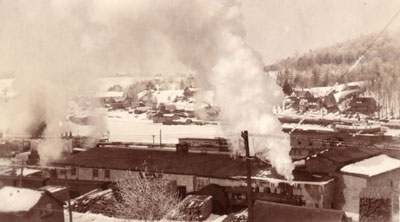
[160,140]
[21,175]
[245,136]
[69,199]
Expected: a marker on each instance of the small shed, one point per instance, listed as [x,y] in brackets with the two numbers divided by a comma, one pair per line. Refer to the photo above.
[21,204]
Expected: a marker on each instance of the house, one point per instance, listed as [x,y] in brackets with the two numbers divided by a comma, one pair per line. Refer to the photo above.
[111,96]
[114,99]
[377,171]
[331,161]
[314,103]
[366,105]
[21,204]
[302,94]
[275,212]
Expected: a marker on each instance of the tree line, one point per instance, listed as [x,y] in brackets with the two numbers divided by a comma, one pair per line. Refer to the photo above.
[344,62]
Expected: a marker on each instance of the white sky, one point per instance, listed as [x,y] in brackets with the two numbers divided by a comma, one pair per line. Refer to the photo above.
[280,28]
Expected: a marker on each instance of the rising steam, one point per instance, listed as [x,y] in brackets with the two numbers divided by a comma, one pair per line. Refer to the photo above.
[56,47]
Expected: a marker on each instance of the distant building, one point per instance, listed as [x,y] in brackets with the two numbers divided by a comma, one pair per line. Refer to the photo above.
[21,204]
[366,105]
[302,94]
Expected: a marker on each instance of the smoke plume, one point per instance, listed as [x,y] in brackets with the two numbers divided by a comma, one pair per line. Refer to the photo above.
[55,48]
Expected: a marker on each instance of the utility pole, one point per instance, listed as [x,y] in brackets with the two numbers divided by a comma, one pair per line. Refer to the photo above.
[245,136]
[160,140]
[153,139]
[69,198]
[21,175]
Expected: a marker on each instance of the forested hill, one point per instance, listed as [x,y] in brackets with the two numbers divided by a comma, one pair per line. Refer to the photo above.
[331,65]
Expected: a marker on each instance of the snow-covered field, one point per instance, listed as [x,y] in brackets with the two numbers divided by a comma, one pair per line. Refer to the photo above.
[124,127]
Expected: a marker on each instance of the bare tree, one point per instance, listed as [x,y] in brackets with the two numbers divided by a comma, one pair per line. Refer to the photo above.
[145,196]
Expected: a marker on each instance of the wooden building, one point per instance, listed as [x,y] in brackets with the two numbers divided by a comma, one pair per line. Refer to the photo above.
[377,171]
[21,204]
[366,105]
[194,171]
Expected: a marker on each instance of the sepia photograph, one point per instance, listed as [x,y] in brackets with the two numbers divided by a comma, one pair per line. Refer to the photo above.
[199,110]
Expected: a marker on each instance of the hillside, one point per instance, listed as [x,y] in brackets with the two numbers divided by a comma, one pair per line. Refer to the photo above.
[343,63]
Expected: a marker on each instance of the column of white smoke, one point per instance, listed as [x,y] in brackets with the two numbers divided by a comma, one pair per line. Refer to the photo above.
[43,50]
[211,42]
[102,36]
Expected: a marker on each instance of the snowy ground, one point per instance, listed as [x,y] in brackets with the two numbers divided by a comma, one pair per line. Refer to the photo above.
[126,127]
[89,217]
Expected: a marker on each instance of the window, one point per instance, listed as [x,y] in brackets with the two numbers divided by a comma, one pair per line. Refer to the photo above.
[73,171]
[107,173]
[95,173]
[53,173]
[46,210]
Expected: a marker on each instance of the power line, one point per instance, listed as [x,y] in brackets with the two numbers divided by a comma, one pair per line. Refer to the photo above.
[372,42]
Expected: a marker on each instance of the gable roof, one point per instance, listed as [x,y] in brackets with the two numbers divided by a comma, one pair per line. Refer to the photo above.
[302,93]
[166,161]
[372,166]
[268,211]
[14,200]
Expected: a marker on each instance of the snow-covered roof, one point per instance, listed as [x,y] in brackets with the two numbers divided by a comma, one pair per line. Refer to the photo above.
[53,188]
[321,91]
[109,94]
[167,96]
[343,94]
[15,199]
[372,166]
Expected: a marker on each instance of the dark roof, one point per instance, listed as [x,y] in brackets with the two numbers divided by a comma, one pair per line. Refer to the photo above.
[268,211]
[363,100]
[199,164]
[302,93]
[302,175]
[349,155]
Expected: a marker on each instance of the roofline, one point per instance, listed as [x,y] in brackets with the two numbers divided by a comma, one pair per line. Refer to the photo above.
[152,171]
[366,176]
[353,160]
